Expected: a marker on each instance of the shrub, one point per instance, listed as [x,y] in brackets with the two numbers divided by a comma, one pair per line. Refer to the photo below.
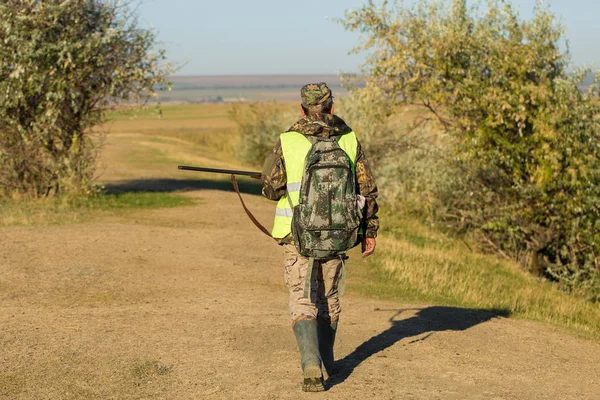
[62,64]
[518,147]
[259,126]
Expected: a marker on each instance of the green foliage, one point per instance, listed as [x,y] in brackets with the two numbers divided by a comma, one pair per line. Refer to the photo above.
[259,127]
[369,114]
[58,210]
[62,64]
[516,160]
[405,149]
[419,265]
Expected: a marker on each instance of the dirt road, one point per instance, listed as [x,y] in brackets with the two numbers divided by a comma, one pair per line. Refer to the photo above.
[189,303]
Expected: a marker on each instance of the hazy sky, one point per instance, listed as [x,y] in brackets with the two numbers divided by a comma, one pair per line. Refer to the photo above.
[300,37]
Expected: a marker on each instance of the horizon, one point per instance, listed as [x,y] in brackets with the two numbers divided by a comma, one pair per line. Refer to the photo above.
[259,74]
[264,38]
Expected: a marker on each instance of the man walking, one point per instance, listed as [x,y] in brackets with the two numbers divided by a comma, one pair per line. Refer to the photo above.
[330,219]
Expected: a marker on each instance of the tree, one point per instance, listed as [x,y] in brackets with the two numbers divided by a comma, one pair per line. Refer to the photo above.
[63,63]
[524,140]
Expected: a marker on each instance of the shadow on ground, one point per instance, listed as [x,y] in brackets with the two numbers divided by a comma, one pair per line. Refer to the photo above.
[247,186]
[427,321]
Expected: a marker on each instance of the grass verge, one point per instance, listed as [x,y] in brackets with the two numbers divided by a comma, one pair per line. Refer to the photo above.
[79,209]
[206,127]
[417,264]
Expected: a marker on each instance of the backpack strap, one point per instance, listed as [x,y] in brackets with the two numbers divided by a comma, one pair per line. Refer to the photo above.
[252,218]
[289,199]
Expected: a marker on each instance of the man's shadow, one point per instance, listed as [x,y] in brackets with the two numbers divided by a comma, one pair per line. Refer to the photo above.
[428,320]
[165,185]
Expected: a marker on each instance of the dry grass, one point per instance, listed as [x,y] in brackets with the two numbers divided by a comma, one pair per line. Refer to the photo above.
[206,126]
[131,306]
[418,264]
[413,263]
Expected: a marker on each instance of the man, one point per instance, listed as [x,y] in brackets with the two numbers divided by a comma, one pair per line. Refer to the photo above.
[314,304]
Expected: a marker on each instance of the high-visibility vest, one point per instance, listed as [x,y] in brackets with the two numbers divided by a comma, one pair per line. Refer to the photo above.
[295,147]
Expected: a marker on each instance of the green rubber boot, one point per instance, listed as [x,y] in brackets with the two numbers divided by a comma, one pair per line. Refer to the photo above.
[326,333]
[306,336]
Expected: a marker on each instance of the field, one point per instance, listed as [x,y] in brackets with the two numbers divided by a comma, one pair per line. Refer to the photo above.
[163,289]
[201,89]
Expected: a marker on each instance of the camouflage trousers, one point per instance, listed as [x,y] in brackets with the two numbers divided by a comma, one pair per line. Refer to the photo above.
[323,302]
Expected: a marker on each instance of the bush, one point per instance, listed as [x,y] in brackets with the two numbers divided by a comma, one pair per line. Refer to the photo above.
[516,162]
[259,127]
[62,64]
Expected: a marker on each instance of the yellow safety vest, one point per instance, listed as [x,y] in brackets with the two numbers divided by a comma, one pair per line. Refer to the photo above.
[295,147]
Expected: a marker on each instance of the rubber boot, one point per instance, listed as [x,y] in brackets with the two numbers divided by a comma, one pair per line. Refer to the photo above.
[306,336]
[326,333]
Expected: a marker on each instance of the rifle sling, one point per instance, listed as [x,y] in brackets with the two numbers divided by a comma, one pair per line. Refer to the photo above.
[252,218]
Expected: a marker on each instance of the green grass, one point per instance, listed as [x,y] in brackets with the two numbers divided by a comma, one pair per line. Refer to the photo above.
[81,209]
[414,263]
[130,200]
[170,112]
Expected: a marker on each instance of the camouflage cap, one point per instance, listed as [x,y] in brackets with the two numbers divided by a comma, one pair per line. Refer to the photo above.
[313,94]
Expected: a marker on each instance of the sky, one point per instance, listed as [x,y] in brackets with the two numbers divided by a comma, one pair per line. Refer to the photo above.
[278,37]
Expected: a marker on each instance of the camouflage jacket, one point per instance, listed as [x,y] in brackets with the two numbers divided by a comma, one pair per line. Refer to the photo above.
[323,125]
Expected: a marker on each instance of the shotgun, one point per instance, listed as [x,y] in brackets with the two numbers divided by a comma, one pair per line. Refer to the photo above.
[251,174]
[233,173]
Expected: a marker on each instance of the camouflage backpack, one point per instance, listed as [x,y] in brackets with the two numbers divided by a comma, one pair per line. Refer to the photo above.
[326,221]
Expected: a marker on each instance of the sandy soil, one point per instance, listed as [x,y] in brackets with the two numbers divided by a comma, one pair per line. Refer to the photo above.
[189,303]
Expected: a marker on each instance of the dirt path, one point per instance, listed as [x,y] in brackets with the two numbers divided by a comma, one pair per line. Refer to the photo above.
[189,303]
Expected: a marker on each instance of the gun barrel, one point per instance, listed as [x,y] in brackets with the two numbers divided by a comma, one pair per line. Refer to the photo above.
[221,171]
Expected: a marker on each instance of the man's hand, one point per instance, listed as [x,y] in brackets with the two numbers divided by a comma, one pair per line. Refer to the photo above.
[368,246]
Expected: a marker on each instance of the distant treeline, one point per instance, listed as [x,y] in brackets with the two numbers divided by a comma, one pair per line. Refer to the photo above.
[202,89]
